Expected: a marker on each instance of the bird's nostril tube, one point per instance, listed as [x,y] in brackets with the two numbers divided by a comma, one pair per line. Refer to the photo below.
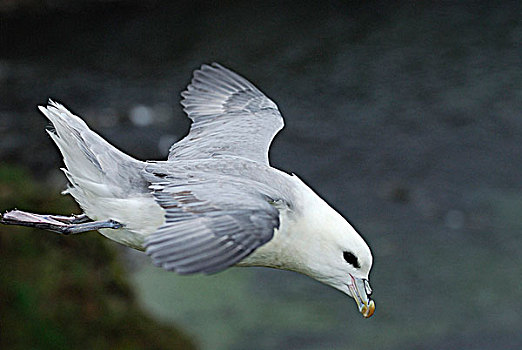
[367,288]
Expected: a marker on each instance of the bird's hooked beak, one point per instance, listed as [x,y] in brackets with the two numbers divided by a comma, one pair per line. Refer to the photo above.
[361,292]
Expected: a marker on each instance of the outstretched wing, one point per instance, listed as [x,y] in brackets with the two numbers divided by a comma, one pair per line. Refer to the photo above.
[210,224]
[230,117]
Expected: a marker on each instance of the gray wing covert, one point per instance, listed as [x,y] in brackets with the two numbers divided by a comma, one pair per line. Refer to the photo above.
[230,117]
[209,226]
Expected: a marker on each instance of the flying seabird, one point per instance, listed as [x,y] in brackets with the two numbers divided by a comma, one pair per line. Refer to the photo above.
[215,202]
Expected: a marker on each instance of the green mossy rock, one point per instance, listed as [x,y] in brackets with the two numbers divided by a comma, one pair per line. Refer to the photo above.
[60,292]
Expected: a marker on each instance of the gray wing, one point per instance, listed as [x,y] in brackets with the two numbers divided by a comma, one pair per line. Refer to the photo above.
[210,224]
[230,117]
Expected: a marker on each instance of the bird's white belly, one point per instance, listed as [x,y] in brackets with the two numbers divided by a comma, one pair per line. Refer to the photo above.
[140,216]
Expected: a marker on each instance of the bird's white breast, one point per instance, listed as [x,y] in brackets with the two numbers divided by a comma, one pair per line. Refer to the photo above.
[299,242]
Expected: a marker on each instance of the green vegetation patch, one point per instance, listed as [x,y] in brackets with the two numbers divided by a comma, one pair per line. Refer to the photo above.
[59,292]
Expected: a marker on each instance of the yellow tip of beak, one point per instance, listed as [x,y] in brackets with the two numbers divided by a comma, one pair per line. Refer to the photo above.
[368,310]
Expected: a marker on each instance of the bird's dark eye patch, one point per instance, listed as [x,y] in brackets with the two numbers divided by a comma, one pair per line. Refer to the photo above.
[351,259]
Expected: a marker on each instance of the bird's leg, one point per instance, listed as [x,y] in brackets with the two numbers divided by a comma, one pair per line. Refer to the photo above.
[73,219]
[65,225]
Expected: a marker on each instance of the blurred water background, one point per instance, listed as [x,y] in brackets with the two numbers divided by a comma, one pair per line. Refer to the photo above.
[405,116]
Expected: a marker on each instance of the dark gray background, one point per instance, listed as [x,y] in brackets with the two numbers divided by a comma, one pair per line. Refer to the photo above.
[406,117]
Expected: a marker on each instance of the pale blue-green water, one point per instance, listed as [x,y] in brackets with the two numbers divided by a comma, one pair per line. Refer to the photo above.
[237,309]
[241,309]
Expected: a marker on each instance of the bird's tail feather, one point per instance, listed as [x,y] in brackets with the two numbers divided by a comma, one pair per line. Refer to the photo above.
[94,167]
